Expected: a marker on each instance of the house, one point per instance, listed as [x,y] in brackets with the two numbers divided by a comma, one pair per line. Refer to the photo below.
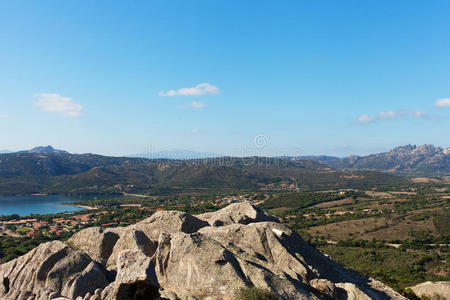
[53,229]
[39,225]
[32,233]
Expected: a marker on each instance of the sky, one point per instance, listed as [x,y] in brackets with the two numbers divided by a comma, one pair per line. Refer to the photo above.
[229,77]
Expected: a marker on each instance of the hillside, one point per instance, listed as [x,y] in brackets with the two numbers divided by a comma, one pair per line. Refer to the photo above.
[412,160]
[173,255]
[62,172]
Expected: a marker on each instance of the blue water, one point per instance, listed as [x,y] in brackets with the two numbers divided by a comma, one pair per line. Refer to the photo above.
[48,204]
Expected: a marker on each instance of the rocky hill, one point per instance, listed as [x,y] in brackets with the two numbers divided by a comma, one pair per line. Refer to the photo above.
[174,255]
[424,160]
[43,149]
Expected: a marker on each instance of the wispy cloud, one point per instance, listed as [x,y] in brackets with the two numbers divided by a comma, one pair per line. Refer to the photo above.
[195,104]
[202,89]
[194,131]
[390,114]
[64,106]
[445,102]
[3,116]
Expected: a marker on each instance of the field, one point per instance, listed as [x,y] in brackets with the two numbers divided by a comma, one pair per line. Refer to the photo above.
[400,236]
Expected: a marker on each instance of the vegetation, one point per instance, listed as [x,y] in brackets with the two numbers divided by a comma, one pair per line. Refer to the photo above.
[254,293]
[64,173]
[397,268]
[12,247]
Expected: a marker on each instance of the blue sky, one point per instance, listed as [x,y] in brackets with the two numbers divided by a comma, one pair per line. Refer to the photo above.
[232,77]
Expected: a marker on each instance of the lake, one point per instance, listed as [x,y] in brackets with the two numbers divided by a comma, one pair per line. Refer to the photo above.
[45,204]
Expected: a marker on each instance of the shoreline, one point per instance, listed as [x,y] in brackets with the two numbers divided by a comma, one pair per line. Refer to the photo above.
[87,207]
[135,195]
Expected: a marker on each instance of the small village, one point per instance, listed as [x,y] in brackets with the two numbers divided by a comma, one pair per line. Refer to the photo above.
[49,227]
[69,223]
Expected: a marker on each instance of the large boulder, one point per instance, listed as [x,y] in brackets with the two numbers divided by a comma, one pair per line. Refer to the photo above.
[90,280]
[278,249]
[350,291]
[131,239]
[432,290]
[196,265]
[97,242]
[60,277]
[26,276]
[169,222]
[136,277]
[261,242]
[144,235]
[242,212]
[51,270]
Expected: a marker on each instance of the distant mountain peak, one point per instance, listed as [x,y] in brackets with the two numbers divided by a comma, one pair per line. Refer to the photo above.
[418,149]
[45,150]
[428,160]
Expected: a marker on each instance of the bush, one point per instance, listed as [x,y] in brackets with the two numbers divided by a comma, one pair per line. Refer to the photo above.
[254,293]
[410,294]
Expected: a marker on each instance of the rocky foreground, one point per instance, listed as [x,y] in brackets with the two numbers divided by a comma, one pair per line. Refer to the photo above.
[174,255]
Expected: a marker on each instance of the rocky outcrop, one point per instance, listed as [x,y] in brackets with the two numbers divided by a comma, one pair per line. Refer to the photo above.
[96,242]
[243,213]
[131,238]
[136,277]
[51,270]
[173,255]
[432,290]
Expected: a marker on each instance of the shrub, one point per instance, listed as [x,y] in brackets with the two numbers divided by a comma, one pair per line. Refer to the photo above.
[254,293]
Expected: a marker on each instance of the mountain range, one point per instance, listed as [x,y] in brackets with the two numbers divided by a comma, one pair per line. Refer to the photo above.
[46,170]
[411,160]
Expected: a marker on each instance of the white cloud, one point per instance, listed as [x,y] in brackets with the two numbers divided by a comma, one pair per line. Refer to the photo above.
[365,118]
[202,89]
[195,104]
[390,114]
[3,116]
[442,102]
[56,103]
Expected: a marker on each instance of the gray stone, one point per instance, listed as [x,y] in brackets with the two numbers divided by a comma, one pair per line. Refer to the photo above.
[432,290]
[324,287]
[131,239]
[96,242]
[242,212]
[169,222]
[136,278]
[86,283]
[167,295]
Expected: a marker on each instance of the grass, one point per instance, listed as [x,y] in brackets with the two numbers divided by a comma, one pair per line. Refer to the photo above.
[24,229]
[395,267]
